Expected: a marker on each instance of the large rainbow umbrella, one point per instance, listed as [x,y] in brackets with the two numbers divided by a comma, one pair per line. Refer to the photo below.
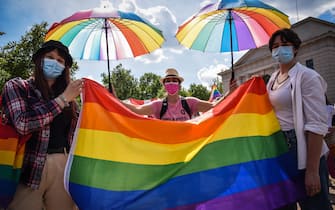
[231,25]
[106,34]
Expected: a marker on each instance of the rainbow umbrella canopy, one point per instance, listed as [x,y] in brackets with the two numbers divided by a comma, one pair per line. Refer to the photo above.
[106,34]
[231,25]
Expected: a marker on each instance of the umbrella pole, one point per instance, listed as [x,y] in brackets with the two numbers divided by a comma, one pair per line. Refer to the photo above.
[231,46]
[109,74]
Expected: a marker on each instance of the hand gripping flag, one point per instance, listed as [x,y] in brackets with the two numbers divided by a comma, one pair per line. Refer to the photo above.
[233,157]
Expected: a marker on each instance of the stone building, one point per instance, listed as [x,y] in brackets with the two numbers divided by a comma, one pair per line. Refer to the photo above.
[317,51]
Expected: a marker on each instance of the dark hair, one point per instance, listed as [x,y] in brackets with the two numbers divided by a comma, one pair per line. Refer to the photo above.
[287,35]
[60,84]
[41,83]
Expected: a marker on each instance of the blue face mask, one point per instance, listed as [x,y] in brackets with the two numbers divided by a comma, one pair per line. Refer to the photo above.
[52,68]
[283,54]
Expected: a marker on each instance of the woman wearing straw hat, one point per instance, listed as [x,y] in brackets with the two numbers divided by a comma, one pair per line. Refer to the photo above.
[174,107]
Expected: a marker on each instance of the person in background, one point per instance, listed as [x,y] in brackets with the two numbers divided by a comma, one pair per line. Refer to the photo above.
[330,137]
[297,95]
[44,106]
[174,107]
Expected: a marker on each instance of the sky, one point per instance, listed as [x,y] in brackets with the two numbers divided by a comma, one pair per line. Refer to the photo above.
[18,16]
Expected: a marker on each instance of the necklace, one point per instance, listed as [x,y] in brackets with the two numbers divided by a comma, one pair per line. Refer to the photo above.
[287,76]
[281,82]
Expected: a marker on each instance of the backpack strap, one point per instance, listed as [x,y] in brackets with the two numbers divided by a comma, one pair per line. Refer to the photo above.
[186,107]
[164,108]
[183,103]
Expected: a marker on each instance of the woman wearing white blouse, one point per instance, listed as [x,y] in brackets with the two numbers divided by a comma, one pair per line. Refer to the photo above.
[297,94]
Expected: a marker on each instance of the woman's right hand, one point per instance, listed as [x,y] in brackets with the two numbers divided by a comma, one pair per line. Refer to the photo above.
[73,89]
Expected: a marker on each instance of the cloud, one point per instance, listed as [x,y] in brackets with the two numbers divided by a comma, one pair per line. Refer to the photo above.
[208,75]
[156,56]
[162,18]
[176,50]
[106,4]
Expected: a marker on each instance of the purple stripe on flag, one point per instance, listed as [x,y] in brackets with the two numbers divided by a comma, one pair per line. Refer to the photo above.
[265,198]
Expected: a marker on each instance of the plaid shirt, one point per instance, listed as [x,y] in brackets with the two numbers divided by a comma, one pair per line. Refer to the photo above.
[30,113]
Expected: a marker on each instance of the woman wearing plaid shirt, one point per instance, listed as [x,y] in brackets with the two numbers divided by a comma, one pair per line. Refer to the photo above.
[44,107]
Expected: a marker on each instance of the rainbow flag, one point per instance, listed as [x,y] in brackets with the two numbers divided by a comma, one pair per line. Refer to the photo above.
[233,157]
[11,157]
[215,93]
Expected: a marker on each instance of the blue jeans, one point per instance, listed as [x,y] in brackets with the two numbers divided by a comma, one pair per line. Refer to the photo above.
[319,201]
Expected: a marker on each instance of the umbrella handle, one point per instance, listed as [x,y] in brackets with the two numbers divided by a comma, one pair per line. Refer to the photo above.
[231,46]
[232,75]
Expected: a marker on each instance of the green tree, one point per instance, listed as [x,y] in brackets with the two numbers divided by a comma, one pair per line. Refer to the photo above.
[184,92]
[15,57]
[125,84]
[149,86]
[199,91]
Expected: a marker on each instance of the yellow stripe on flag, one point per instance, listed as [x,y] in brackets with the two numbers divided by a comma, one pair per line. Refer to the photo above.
[98,144]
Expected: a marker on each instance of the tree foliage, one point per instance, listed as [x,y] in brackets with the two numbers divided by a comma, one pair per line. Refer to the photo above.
[125,84]
[16,56]
[183,92]
[149,86]
[199,91]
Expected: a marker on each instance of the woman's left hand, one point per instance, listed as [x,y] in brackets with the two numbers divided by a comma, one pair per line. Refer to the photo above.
[312,183]
[73,89]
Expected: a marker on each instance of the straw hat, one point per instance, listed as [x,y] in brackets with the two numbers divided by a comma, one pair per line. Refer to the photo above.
[171,73]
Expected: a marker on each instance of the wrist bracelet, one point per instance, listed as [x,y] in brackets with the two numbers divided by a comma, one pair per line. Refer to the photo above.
[64,100]
[60,102]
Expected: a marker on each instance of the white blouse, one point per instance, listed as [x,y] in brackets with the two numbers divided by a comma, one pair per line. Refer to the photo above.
[308,90]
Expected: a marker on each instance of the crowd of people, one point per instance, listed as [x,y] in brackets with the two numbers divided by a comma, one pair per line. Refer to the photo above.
[45,106]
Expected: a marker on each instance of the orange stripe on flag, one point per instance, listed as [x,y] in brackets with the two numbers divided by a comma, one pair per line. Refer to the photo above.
[8,144]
